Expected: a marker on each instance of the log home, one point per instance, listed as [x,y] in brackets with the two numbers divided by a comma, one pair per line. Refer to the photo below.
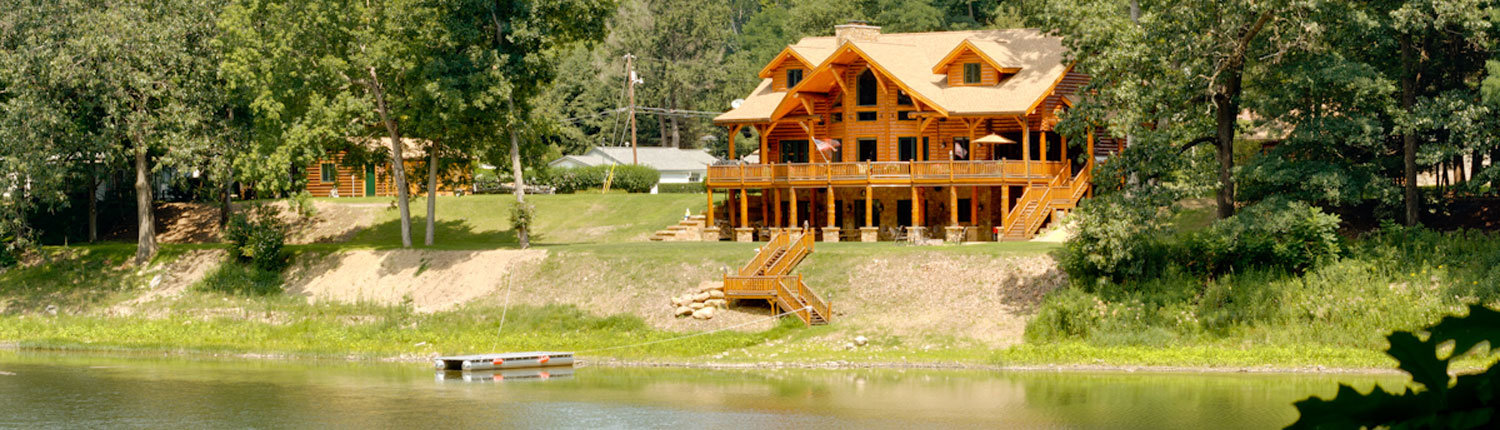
[332,176]
[874,136]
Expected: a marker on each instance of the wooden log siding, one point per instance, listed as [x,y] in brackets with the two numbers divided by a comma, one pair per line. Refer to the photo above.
[350,181]
[988,75]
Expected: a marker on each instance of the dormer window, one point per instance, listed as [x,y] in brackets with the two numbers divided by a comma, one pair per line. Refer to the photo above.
[793,76]
[868,89]
[971,73]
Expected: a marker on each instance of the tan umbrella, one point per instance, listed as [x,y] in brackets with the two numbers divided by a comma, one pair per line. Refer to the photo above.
[993,139]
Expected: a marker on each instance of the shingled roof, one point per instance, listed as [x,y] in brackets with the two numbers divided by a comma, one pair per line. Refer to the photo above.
[911,58]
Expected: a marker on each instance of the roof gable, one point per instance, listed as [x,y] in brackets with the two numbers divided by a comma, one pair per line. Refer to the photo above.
[827,75]
[965,47]
[786,54]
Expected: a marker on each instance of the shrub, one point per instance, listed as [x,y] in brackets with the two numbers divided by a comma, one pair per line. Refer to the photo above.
[686,188]
[302,204]
[1275,234]
[634,179]
[1065,314]
[235,278]
[1111,241]
[258,235]
[523,218]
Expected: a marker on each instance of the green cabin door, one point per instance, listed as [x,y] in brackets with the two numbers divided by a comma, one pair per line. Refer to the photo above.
[369,180]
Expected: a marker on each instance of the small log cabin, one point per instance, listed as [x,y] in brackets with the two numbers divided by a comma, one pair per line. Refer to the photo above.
[333,177]
[873,136]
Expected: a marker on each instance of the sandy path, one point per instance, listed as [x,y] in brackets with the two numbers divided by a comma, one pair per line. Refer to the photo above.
[431,280]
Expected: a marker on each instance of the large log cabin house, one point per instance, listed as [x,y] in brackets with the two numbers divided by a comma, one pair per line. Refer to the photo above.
[869,136]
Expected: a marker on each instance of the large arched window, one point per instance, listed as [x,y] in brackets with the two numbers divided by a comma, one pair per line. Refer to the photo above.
[867,88]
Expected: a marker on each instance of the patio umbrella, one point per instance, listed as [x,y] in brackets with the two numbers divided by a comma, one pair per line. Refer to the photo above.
[993,139]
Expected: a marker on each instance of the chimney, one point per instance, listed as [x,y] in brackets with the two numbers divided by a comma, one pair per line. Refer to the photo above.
[856,31]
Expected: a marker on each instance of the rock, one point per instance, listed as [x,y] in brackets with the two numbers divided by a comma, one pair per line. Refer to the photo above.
[696,306]
[715,294]
[716,303]
[683,311]
[861,340]
[703,314]
[51,310]
[849,345]
[679,301]
[701,297]
[710,285]
[155,281]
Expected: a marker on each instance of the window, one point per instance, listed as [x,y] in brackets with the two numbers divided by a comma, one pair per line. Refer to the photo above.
[971,73]
[694,177]
[902,98]
[793,76]
[906,148]
[329,172]
[922,152]
[965,212]
[867,150]
[904,115]
[960,148]
[903,212]
[794,151]
[837,117]
[868,115]
[868,89]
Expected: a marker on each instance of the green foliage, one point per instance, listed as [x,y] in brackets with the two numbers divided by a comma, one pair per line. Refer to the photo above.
[523,218]
[683,188]
[231,277]
[631,178]
[1112,241]
[1469,402]
[1276,234]
[302,204]
[1066,314]
[258,236]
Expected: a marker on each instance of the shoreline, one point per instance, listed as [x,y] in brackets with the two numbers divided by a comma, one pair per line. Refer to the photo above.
[610,362]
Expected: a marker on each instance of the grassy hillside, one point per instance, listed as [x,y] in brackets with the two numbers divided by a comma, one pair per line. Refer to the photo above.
[483,221]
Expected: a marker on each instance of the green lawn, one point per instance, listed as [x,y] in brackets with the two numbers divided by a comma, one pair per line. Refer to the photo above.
[483,221]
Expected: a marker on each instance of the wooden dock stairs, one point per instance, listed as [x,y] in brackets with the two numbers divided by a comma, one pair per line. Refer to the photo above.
[1039,203]
[768,277]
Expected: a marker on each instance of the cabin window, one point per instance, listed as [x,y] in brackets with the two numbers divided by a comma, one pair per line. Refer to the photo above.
[961,148]
[965,211]
[868,150]
[793,76]
[868,115]
[794,151]
[329,172]
[695,177]
[837,117]
[906,148]
[868,88]
[904,115]
[971,73]
[922,153]
[902,98]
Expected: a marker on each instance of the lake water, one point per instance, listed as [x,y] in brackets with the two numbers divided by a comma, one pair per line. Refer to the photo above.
[48,390]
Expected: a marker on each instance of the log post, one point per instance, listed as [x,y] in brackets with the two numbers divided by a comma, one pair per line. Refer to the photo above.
[744,208]
[792,206]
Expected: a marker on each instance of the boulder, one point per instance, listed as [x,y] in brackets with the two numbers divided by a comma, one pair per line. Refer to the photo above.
[715,294]
[860,340]
[696,305]
[683,311]
[703,314]
[716,303]
[701,297]
[710,285]
[678,301]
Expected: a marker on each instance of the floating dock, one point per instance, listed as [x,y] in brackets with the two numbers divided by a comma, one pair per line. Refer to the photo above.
[512,360]
[511,375]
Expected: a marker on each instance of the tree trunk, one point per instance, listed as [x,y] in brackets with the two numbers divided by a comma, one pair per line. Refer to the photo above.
[145,247]
[523,233]
[224,203]
[398,170]
[432,162]
[1227,107]
[1476,164]
[93,203]
[1409,139]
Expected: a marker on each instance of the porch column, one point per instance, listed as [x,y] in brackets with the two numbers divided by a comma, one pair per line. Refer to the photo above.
[729,208]
[915,232]
[733,131]
[869,233]
[744,233]
[1026,150]
[954,233]
[792,206]
[831,230]
[1004,205]
[710,231]
[1043,134]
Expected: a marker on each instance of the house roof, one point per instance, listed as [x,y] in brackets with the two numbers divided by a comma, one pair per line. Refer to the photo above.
[910,59]
[659,158]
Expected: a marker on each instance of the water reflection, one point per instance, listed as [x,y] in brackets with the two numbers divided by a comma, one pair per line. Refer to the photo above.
[49,390]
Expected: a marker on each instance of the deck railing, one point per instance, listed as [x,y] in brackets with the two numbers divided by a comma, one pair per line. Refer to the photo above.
[777,241]
[883,173]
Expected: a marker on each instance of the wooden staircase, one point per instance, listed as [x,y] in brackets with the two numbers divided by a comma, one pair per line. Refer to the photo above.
[1037,204]
[690,229]
[768,277]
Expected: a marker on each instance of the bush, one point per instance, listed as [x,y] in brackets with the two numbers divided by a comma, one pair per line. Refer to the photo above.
[302,204]
[235,278]
[634,179]
[258,236]
[1111,241]
[1065,314]
[685,188]
[1278,235]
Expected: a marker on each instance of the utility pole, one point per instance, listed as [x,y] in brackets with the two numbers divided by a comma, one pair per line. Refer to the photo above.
[630,81]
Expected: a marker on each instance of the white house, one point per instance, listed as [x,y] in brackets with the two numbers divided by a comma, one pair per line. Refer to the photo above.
[676,165]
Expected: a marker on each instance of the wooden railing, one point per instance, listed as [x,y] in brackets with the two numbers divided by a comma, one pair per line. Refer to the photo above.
[797,248]
[883,172]
[787,296]
[750,286]
[778,241]
[813,301]
[1056,194]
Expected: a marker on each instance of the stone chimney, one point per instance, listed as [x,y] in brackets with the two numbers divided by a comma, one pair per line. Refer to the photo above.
[856,31]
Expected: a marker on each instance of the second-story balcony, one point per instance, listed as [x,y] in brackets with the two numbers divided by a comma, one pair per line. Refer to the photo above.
[884,173]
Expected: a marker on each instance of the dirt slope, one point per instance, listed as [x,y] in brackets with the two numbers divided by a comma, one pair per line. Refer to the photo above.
[430,280]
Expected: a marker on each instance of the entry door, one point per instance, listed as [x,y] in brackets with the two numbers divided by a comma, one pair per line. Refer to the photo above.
[369,180]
